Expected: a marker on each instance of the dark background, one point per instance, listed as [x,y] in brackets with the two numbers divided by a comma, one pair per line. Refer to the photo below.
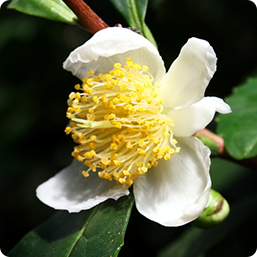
[34,89]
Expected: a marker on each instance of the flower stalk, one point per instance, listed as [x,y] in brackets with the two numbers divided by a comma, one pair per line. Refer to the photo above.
[90,20]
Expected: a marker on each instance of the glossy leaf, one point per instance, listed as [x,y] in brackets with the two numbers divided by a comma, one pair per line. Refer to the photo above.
[239,128]
[55,10]
[96,232]
[134,12]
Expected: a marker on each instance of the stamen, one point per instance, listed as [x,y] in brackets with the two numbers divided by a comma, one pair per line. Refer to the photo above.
[117,121]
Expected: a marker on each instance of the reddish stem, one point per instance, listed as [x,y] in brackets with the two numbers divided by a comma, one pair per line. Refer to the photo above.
[91,21]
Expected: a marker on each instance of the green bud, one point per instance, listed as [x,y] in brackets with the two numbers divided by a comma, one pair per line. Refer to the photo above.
[214,213]
[210,143]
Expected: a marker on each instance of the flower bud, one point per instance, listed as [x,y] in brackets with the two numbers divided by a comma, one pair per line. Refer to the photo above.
[215,212]
[210,143]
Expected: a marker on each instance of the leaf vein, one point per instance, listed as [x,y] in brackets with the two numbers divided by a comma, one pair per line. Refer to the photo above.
[80,235]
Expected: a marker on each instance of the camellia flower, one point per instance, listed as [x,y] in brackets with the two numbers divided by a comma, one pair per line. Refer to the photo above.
[134,124]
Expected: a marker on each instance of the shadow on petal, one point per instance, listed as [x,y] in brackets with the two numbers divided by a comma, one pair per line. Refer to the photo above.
[69,190]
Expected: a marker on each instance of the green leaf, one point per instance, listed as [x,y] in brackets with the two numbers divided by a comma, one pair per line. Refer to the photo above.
[134,12]
[239,128]
[96,232]
[55,10]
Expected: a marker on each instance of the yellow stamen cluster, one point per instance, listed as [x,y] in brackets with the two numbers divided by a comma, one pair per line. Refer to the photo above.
[117,121]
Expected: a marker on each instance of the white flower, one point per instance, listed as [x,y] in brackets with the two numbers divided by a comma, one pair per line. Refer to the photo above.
[134,124]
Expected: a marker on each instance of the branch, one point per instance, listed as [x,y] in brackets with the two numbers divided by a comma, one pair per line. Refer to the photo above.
[222,153]
[90,20]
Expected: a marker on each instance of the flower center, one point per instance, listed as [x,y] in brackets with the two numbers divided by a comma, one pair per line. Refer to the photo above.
[118,124]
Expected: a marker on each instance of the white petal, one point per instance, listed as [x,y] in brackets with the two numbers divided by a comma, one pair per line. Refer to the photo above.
[176,191]
[189,75]
[197,116]
[112,45]
[69,190]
